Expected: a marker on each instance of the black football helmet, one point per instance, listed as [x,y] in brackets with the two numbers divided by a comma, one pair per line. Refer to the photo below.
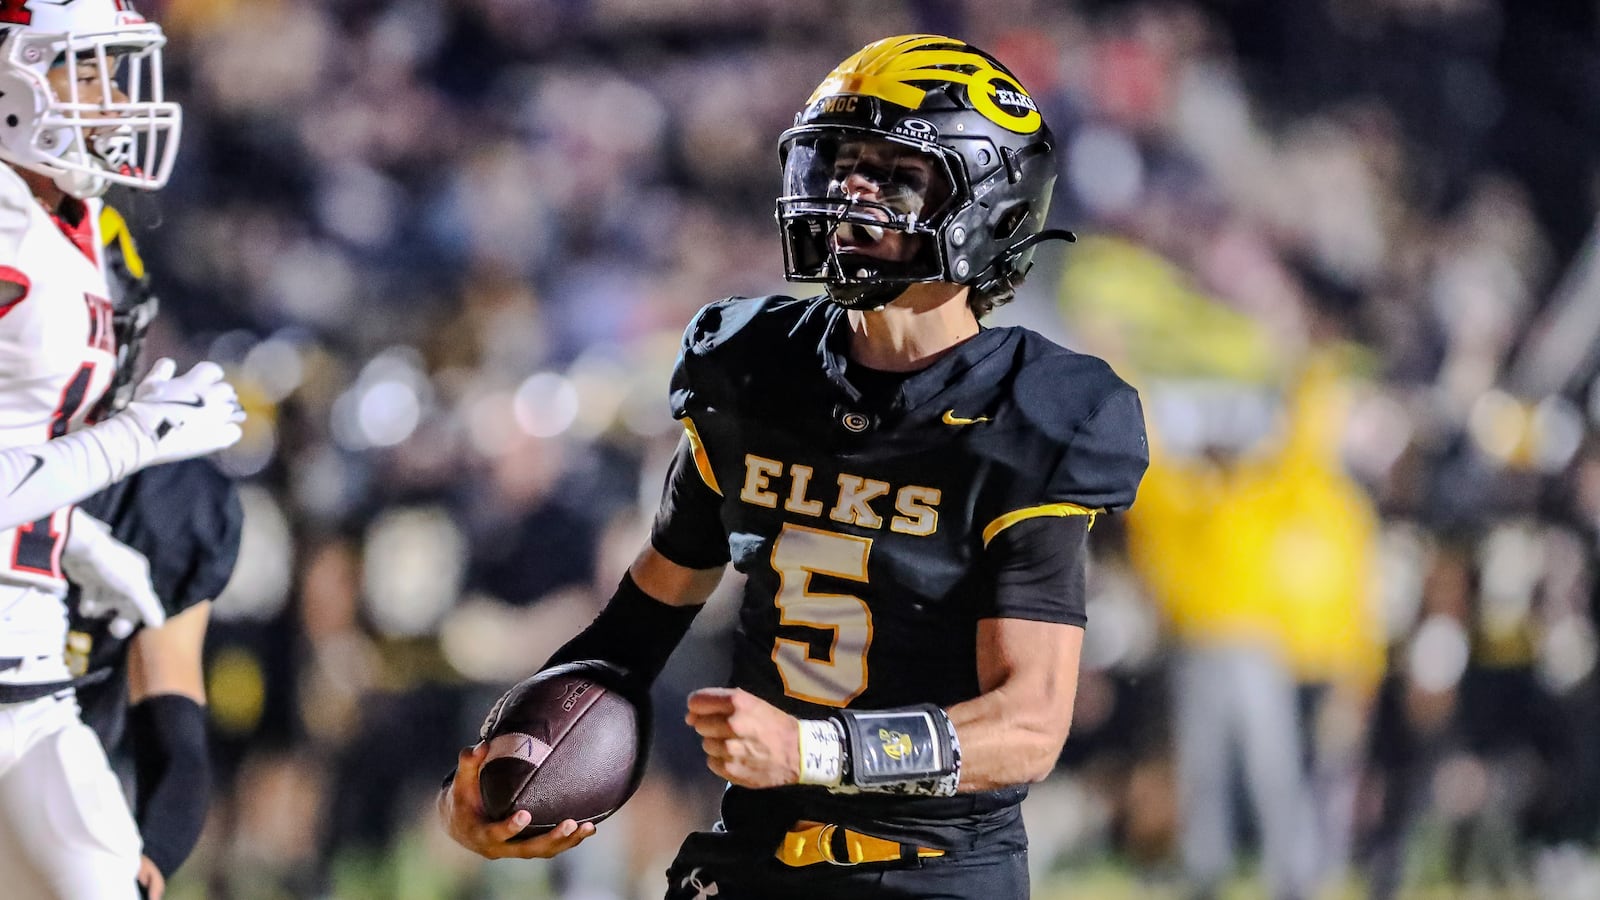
[920,158]
[134,306]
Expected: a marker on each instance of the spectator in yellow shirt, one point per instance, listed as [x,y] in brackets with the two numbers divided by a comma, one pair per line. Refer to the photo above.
[1258,549]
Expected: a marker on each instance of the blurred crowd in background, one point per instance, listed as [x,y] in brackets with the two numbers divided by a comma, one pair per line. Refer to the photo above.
[1346,640]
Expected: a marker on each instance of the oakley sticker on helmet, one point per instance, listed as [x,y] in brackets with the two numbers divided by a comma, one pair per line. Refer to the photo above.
[893,68]
[920,129]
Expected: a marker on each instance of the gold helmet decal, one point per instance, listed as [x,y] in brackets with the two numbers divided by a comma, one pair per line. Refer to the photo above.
[114,229]
[896,744]
[893,68]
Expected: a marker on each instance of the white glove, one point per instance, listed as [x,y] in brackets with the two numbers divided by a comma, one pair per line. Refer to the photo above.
[112,577]
[191,415]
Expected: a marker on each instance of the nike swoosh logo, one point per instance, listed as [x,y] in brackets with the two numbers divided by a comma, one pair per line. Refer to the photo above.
[38,463]
[196,402]
[950,418]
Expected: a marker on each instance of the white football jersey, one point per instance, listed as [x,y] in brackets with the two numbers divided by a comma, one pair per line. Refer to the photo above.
[57,357]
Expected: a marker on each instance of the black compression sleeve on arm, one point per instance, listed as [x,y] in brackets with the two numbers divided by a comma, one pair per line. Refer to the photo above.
[688,526]
[634,631]
[172,770]
[1039,570]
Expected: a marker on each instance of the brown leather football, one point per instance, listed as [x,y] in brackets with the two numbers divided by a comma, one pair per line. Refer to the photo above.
[567,743]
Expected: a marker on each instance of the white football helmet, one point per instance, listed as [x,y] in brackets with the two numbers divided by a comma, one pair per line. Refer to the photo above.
[126,133]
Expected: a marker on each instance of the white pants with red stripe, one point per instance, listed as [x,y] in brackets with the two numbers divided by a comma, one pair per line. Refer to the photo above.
[66,832]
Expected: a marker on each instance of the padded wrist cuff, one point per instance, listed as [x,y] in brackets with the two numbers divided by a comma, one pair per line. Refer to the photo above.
[635,632]
[909,750]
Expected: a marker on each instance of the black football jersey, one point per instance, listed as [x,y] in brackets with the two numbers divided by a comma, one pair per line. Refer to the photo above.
[185,518]
[861,521]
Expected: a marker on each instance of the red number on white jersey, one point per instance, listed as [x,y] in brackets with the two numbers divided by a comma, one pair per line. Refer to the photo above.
[38,545]
[15,12]
[101,336]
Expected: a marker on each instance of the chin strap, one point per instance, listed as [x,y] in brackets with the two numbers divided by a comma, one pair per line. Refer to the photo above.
[873,296]
[864,296]
[1049,234]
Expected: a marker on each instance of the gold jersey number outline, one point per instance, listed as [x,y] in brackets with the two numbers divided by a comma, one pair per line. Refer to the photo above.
[797,554]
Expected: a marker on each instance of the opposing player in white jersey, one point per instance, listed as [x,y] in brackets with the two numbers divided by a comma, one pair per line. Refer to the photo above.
[81,108]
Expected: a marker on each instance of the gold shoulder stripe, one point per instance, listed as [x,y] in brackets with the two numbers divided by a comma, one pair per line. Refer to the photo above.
[114,228]
[1049,509]
[702,462]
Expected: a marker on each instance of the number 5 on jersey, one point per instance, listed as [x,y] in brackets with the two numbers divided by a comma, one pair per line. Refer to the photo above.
[797,554]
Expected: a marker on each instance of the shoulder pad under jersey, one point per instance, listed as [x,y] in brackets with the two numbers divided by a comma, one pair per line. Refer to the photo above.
[1077,402]
[16,206]
[731,341]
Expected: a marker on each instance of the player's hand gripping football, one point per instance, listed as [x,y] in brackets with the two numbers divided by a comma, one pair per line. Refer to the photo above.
[747,740]
[461,809]
[113,578]
[189,415]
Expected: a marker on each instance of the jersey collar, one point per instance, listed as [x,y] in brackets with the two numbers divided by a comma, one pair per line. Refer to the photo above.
[74,219]
[968,364]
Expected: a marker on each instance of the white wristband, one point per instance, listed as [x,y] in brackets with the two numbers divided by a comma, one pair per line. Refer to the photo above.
[821,752]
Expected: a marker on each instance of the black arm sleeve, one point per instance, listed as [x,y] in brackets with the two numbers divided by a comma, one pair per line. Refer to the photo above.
[172,771]
[688,527]
[1039,570]
[634,631]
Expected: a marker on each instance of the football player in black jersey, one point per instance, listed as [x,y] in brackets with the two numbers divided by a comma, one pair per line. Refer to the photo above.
[908,493]
[144,693]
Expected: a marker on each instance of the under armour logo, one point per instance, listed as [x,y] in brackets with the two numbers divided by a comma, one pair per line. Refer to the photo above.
[702,890]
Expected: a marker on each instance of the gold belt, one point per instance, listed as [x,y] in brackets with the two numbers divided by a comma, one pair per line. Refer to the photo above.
[809,843]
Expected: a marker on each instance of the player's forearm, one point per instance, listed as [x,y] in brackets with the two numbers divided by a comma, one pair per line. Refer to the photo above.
[38,479]
[1009,737]
[168,660]
[1013,732]
[170,419]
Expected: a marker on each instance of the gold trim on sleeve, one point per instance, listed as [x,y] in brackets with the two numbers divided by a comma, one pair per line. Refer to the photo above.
[1049,509]
[702,462]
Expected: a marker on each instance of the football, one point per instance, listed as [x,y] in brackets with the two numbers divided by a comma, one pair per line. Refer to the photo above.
[569,742]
